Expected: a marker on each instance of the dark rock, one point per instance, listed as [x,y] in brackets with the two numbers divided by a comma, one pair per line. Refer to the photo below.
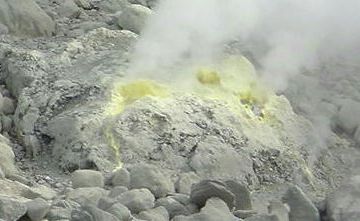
[214,210]
[241,193]
[207,189]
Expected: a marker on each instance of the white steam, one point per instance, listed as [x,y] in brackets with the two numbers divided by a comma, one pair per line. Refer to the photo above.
[292,41]
[285,36]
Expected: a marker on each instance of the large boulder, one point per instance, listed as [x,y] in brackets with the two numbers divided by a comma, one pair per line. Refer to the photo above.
[7,157]
[37,209]
[137,200]
[25,18]
[86,195]
[87,178]
[343,204]
[134,17]
[113,6]
[156,214]
[120,211]
[121,177]
[185,181]
[207,189]
[174,207]
[11,209]
[301,207]
[347,116]
[152,178]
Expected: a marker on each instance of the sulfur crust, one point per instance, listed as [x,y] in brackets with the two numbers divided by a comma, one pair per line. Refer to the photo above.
[232,81]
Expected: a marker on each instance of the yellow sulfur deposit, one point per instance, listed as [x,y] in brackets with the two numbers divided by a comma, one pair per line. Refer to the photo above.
[236,83]
[125,94]
[233,81]
[208,76]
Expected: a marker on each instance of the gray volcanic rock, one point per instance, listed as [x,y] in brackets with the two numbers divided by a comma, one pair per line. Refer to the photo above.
[37,209]
[137,200]
[185,181]
[11,209]
[241,193]
[85,4]
[343,203]
[120,211]
[346,118]
[68,8]
[148,3]
[134,17]
[7,157]
[25,18]
[214,210]
[116,191]
[207,189]
[121,177]
[156,214]
[2,174]
[87,178]
[86,195]
[57,107]
[59,213]
[208,141]
[152,178]
[301,207]
[174,207]
[114,5]
[96,214]
[262,218]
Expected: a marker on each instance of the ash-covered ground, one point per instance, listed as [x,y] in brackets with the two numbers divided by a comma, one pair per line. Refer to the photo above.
[87,133]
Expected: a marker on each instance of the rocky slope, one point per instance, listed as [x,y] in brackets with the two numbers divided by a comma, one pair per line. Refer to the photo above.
[83,139]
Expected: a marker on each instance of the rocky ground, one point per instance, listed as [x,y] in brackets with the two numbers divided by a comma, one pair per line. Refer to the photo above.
[81,139]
